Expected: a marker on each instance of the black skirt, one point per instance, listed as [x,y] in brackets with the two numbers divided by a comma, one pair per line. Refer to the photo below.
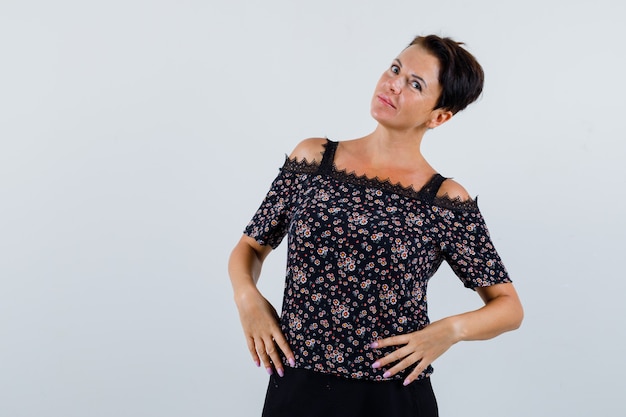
[305,393]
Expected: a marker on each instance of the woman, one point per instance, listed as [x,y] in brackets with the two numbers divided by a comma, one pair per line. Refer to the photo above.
[369,221]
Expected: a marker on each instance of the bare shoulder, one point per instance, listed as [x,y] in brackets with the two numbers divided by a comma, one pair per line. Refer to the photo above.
[311,150]
[453,190]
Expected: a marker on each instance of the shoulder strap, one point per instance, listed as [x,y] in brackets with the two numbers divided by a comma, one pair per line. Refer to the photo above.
[329,155]
[432,187]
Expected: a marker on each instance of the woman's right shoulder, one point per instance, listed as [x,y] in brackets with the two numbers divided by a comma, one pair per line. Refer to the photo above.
[309,150]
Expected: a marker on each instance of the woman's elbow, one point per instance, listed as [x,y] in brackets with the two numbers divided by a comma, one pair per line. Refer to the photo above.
[516,314]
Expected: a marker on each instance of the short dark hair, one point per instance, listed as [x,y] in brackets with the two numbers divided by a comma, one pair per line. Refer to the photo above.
[461,76]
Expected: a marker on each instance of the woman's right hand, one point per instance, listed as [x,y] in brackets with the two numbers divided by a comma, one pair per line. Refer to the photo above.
[262,330]
[258,318]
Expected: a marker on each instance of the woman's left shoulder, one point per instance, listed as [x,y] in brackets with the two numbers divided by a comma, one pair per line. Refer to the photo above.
[309,150]
[453,190]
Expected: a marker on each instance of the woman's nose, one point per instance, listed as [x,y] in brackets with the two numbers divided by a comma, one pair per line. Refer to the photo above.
[395,85]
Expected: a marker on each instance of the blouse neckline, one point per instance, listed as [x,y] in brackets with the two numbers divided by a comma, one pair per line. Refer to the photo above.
[427,193]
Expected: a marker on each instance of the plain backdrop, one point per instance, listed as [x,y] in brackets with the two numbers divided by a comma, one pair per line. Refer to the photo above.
[137,138]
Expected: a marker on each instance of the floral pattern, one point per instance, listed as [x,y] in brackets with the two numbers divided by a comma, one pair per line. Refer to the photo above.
[360,254]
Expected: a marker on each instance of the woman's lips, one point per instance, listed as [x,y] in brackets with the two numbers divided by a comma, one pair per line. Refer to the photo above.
[386,100]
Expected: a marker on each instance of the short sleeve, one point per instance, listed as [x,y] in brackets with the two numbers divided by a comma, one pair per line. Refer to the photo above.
[271,221]
[467,247]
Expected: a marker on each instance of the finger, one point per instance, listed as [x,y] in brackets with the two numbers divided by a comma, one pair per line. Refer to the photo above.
[417,371]
[390,341]
[394,356]
[282,344]
[277,362]
[274,355]
[252,349]
[261,350]
[402,365]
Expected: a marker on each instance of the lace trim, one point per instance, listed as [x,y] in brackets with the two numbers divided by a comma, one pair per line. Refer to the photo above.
[445,201]
[377,182]
[303,166]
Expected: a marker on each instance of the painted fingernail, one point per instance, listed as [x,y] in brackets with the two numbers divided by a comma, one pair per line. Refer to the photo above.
[292,362]
[269,370]
[281,373]
[376,365]
[406,382]
[374,345]
[387,374]
[257,363]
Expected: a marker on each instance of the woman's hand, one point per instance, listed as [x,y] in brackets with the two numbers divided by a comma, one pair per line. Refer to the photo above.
[258,318]
[262,330]
[419,348]
[502,312]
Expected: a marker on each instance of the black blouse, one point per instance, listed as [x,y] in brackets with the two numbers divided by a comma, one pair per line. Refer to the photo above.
[360,254]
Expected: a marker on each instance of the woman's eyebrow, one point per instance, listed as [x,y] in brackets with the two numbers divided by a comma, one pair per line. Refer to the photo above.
[397,60]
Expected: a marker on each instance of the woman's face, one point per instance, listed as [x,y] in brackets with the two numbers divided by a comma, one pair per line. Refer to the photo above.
[408,91]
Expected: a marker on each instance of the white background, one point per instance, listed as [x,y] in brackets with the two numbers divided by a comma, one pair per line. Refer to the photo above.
[137,138]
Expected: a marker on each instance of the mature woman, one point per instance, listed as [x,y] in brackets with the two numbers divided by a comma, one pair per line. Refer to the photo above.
[369,221]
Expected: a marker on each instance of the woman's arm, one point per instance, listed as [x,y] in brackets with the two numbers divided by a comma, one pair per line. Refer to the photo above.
[502,312]
[258,317]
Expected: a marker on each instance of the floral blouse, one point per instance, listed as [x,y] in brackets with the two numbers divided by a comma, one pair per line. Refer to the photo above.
[360,254]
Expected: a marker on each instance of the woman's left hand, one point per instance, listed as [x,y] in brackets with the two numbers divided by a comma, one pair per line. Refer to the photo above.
[421,348]
[502,312]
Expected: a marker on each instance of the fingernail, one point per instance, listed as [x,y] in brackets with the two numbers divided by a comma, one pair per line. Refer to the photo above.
[374,345]
[269,370]
[292,362]
[376,365]
[281,373]
[387,374]
[257,363]
[406,382]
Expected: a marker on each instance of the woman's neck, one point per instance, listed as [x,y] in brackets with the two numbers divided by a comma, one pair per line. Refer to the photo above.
[392,148]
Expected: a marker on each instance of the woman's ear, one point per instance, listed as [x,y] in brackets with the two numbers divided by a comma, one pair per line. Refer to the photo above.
[439,117]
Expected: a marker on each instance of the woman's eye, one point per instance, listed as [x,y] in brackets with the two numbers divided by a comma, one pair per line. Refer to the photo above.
[416,85]
[395,69]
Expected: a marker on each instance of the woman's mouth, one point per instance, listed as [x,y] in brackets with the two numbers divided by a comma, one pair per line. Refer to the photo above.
[386,100]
